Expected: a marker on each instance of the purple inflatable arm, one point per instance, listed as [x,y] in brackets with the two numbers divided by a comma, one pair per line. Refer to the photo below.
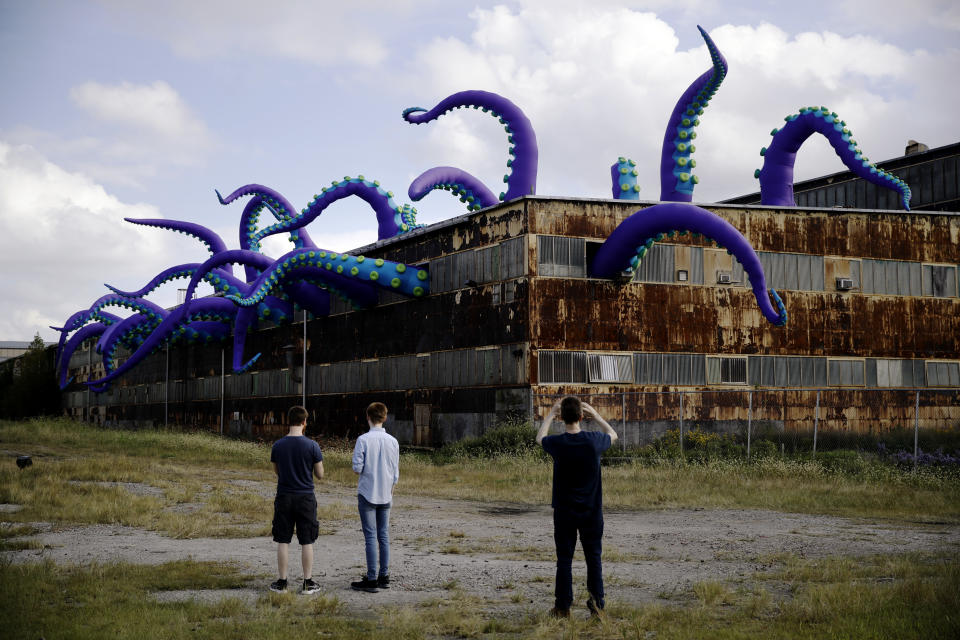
[71,345]
[630,241]
[522,176]
[676,178]
[457,181]
[776,177]
[212,241]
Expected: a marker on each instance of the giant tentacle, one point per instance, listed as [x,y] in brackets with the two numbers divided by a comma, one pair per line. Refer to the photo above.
[676,177]
[173,325]
[71,345]
[222,281]
[275,202]
[629,242]
[343,272]
[209,238]
[521,177]
[623,178]
[776,177]
[457,181]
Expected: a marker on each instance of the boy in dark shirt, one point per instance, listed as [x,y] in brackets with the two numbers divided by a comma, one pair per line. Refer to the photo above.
[296,459]
[577,498]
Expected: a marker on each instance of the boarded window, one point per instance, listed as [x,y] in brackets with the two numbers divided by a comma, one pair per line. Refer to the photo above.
[562,366]
[559,256]
[890,277]
[610,367]
[727,370]
[846,373]
[657,265]
[795,271]
[648,368]
[939,281]
[687,369]
[943,374]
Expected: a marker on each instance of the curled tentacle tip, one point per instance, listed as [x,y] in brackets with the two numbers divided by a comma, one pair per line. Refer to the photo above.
[219,197]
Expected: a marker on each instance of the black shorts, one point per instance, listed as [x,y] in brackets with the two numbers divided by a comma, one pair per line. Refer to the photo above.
[298,509]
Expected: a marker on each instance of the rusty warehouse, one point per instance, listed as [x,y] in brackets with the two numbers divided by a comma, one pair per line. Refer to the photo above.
[513,318]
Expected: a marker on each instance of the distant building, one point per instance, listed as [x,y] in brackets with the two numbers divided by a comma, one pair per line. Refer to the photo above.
[13,349]
[933,176]
[512,316]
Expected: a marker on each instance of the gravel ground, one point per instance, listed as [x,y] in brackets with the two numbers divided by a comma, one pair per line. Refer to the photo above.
[503,553]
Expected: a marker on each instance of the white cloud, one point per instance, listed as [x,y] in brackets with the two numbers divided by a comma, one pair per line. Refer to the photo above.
[321,33]
[155,108]
[61,237]
[598,83]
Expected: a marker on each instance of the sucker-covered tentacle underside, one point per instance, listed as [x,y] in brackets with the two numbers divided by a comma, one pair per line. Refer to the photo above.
[471,190]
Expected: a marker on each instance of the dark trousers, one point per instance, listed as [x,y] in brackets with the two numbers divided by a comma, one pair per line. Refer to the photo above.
[566,526]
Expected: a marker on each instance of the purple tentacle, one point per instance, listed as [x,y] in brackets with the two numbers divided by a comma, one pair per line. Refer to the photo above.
[275,202]
[521,178]
[457,181]
[630,241]
[676,177]
[776,177]
[71,345]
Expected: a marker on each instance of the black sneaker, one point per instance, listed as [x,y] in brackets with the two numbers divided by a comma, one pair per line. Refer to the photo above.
[383,582]
[596,610]
[309,586]
[370,586]
[557,612]
[279,586]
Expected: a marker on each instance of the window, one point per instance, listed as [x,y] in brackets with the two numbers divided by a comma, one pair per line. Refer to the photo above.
[784,371]
[610,367]
[793,271]
[558,256]
[943,374]
[724,370]
[562,366]
[846,373]
[657,264]
[891,277]
[939,281]
[895,373]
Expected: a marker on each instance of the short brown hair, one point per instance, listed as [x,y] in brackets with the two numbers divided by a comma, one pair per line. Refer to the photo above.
[297,415]
[377,412]
[570,410]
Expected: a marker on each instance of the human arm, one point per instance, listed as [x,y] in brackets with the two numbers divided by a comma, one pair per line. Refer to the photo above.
[358,456]
[276,470]
[318,470]
[547,421]
[591,413]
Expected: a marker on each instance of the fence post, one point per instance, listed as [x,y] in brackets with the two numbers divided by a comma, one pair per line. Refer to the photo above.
[222,360]
[916,429]
[816,422]
[681,424]
[303,371]
[623,415]
[166,391]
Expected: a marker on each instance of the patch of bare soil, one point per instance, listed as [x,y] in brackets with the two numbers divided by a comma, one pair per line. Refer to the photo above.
[503,553]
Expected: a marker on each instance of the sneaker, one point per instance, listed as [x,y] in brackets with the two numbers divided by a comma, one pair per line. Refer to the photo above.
[596,611]
[279,586]
[370,586]
[556,612]
[309,586]
[383,582]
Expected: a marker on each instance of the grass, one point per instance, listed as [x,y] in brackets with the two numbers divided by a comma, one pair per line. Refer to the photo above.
[204,485]
[888,596]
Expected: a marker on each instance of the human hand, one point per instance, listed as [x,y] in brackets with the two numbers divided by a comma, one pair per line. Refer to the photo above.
[588,411]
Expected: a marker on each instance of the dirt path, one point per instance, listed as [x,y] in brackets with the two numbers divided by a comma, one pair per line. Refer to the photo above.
[504,553]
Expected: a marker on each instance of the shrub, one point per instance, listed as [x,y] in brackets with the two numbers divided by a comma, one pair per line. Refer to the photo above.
[510,438]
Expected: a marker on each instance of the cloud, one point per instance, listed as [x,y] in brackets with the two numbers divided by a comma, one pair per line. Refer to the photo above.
[601,83]
[156,109]
[63,235]
[319,33]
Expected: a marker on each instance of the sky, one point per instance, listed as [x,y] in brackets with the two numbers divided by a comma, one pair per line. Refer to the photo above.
[128,108]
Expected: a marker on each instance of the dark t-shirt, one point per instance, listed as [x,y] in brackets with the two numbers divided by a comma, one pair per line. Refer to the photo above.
[576,469]
[295,457]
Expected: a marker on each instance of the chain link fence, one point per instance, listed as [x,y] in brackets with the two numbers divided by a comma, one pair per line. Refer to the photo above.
[912,421]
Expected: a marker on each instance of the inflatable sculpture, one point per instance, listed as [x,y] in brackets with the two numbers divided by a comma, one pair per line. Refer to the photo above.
[305,277]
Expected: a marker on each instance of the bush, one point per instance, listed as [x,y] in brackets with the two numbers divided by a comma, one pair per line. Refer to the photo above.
[511,438]
[842,461]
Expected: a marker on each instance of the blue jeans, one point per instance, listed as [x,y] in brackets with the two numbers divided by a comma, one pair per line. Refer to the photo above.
[566,526]
[375,522]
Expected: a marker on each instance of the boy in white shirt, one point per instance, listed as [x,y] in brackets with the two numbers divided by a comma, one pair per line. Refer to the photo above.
[376,459]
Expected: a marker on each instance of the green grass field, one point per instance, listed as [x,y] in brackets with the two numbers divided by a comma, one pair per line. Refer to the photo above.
[889,596]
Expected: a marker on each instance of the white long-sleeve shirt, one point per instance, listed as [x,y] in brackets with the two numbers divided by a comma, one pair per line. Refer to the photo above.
[376,457]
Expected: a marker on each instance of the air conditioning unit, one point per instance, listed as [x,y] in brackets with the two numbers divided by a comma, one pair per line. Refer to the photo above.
[723,278]
[844,284]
